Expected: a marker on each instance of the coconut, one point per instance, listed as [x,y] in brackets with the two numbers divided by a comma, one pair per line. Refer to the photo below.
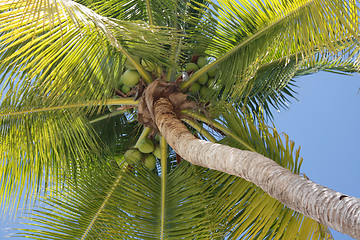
[202,61]
[148,65]
[119,83]
[150,162]
[203,79]
[145,145]
[157,151]
[130,77]
[212,71]
[129,65]
[132,156]
[194,88]
[189,67]
[203,91]
[157,137]
[125,89]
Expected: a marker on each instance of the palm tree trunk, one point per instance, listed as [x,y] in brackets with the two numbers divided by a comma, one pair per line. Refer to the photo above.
[322,204]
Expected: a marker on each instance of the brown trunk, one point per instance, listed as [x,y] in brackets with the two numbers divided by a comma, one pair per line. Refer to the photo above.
[324,205]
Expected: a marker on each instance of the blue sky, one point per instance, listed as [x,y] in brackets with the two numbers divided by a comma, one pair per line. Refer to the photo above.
[325,123]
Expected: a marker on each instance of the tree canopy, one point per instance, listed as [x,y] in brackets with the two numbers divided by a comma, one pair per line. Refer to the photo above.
[68,114]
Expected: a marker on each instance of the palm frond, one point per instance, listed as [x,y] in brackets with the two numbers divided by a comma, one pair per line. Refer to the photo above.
[271,88]
[251,34]
[125,204]
[274,84]
[162,12]
[118,133]
[40,150]
[47,44]
[41,145]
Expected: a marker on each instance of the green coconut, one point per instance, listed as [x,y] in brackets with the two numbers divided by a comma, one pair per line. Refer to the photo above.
[130,78]
[132,156]
[148,65]
[202,61]
[150,162]
[189,67]
[212,71]
[119,83]
[129,65]
[157,151]
[145,145]
[194,88]
[203,79]
[203,91]
[157,137]
[125,89]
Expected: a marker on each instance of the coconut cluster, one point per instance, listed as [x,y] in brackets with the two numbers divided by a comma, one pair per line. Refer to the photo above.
[146,151]
[131,78]
[201,86]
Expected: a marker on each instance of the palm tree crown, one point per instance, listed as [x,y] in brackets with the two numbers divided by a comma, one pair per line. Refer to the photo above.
[79,124]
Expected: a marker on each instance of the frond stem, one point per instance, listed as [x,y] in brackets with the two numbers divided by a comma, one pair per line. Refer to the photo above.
[116,183]
[146,131]
[163,147]
[175,49]
[107,116]
[218,126]
[149,12]
[115,101]
[200,129]
[145,75]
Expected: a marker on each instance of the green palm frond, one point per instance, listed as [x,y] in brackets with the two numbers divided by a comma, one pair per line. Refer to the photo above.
[274,84]
[345,68]
[118,133]
[170,13]
[125,204]
[61,62]
[191,18]
[40,149]
[271,88]
[62,43]
[251,34]
[155,12]
[41,146]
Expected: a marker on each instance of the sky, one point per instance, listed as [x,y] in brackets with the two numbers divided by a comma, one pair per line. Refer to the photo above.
[325,123]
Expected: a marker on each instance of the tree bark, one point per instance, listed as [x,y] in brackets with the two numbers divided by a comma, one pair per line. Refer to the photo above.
[322,204]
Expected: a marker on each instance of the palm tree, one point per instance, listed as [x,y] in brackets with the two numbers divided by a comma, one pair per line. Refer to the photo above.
[102,100]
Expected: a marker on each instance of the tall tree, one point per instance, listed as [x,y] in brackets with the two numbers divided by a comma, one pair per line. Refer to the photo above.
[93,91]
